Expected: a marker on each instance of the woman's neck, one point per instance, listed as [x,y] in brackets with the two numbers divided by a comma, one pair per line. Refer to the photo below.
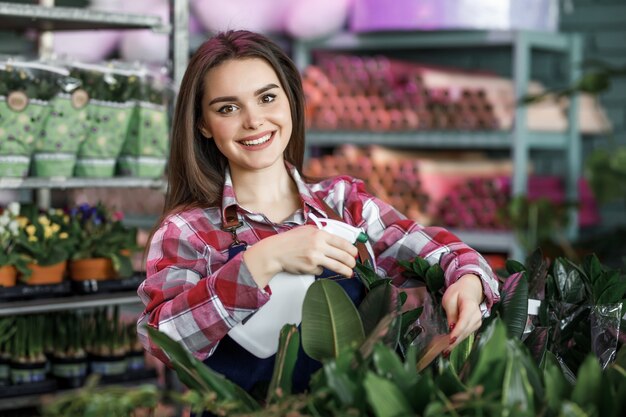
[272,192]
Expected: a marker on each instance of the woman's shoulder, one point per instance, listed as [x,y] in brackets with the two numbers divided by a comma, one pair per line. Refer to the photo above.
[193,218]
[342,183]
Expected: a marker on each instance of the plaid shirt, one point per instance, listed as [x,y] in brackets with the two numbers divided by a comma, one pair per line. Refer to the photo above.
[195,294]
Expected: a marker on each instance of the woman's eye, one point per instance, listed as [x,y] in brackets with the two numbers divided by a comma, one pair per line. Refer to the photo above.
[229,108]
[268,98]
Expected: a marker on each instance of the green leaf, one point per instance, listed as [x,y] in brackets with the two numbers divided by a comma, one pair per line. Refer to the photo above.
[366,274]
[388,365]
[461,352]
[448,379]
[517,392]
[557,389]
[537,343]
[286,357]
[588,383]
[612,294]
[569,281]
[386,327]
[514,304]
[488,358]
[512,266]
[435,278]
[537,273]
[386,399]
[341,384]
[330,321]
[379,302]
[569,409]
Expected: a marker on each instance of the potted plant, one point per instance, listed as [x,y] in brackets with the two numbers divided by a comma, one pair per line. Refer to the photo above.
[28,362]
[10,260]
[69,358]
[7,329]
[44,242]
[102,244]
[107,341]
[135,355]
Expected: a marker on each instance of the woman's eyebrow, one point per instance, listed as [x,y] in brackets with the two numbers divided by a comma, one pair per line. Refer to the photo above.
[233,98]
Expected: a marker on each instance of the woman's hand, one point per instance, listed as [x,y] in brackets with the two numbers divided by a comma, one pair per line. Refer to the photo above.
[461,301]
[302,250]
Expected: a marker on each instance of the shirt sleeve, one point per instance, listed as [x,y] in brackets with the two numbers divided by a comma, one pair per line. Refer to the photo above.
[394,237]
[188,300]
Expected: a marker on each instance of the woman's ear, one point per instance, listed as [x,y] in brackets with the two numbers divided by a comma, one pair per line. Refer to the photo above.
[205,132]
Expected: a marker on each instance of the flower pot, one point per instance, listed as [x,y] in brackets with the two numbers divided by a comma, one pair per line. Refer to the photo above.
[45,275]
[91,269]
[69,372]
[108,365]
[27,373]
[8,275]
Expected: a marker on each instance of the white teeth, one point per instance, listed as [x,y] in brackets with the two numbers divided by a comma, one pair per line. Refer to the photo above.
[257,141]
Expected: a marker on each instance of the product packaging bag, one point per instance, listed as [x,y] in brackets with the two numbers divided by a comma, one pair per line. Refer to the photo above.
[63,131]
[145,149]
[111,103]
[24,94]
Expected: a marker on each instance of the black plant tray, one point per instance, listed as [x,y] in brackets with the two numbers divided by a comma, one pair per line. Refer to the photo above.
[109,285]
[32,388]
[23,291]
[134,376]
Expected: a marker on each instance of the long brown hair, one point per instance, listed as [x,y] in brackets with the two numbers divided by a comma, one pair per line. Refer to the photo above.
[196,166]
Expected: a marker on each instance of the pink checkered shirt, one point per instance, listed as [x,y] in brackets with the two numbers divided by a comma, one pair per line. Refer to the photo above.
[194,294]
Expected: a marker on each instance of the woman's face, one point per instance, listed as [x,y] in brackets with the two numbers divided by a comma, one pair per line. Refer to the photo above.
[246,112]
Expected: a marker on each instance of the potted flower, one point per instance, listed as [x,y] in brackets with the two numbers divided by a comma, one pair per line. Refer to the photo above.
[10,260]
[44,242]
[101,244]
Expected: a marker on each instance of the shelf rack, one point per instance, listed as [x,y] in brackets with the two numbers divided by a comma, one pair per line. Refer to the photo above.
[72,302]
[519,140]
[71,182]
[15,16]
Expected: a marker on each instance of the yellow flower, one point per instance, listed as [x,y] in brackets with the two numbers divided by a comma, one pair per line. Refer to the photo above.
[22,221]
[32,239]
[58,212]
[63,235]
[55,227]
[44,221]
[47,232]
[31,229]
[66,219]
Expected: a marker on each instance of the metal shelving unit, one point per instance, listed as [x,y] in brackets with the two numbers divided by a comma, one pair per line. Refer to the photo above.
[520,140]
[45,18]
[72,302]
[15,16]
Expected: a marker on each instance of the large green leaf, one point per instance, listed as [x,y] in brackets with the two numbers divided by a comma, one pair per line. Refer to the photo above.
[557,388]
[196,375]
[388,365]
[514,304]
[569,282]
[386,399]
[341,384]
[286,357]
[330,321]
[517,392]
[461,352]
[379,302]
[588,384]
[488,359]
[537,343]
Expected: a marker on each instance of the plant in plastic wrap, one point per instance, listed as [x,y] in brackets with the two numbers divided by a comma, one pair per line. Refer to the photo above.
[64,130]
[145,149]
[109,112]
[582,309]
[24,95]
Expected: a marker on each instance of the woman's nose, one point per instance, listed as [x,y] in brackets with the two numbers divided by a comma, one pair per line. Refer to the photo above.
[253,119]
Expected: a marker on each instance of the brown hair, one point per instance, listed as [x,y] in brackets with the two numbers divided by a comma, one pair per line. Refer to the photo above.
[196,166]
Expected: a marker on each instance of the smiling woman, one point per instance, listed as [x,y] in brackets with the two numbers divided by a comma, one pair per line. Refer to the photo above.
[239,213]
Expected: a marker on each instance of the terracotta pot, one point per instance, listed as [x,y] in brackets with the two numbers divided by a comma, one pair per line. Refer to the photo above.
[45,275]
[8,275]
[97,269]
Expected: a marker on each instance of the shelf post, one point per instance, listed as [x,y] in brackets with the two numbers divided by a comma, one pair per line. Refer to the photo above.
[574,146]
[179,39]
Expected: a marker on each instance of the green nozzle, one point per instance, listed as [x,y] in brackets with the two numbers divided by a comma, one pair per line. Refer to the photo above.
[362,238]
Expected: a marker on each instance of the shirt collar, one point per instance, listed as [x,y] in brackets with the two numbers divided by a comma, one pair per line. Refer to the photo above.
[306,194]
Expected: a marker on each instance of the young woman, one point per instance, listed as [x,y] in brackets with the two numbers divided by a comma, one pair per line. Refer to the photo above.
[234,176]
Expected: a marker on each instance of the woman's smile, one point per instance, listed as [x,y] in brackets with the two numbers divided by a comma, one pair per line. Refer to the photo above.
[258,142]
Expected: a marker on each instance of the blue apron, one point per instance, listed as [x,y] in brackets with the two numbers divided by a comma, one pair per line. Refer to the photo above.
[254,374]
